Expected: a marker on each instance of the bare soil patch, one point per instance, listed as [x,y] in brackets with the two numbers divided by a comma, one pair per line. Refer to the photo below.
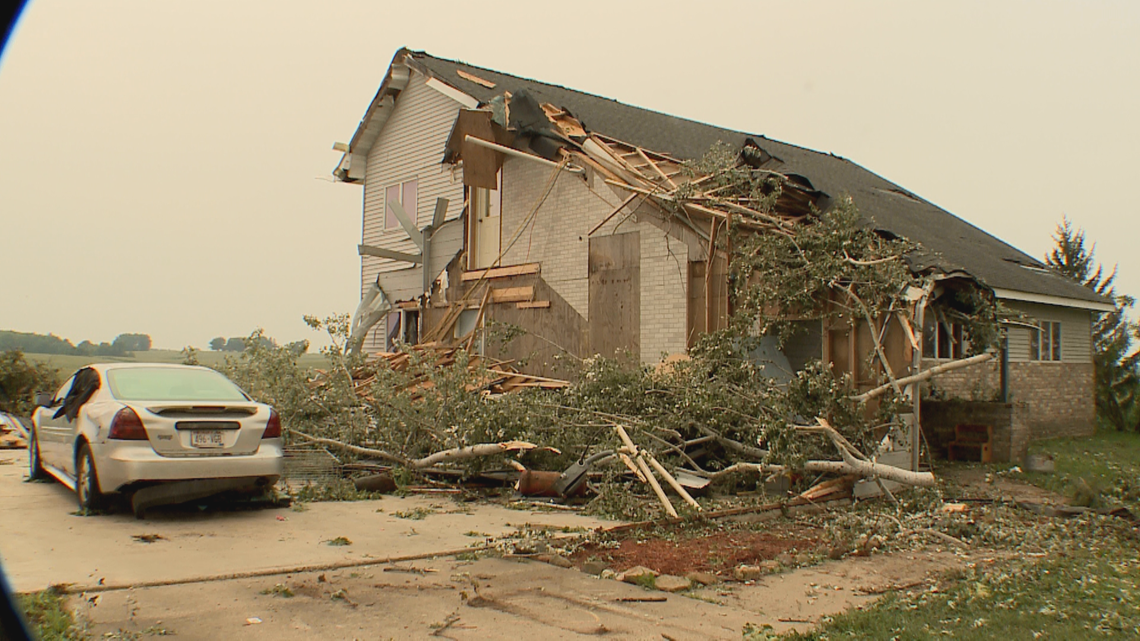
[717,551]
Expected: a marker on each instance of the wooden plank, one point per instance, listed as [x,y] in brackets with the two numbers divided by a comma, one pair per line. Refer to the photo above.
[656,169]
[909,331]
[380,252]
[501,272]
[714,227]
[695,311]
[534,304]
[475,79]
[512,294]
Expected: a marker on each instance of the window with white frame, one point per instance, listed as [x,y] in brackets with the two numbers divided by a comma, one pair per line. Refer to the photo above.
[1045,341]
[405,194]
[942,340]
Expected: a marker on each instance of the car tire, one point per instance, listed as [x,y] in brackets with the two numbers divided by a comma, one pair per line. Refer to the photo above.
[36,471]
[87,492]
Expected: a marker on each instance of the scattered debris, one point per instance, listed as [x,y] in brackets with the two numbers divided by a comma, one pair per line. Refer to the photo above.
[13,435]
[148,538]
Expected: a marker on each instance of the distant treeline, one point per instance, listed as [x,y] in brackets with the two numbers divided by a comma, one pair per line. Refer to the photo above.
[51,344]
[238,344]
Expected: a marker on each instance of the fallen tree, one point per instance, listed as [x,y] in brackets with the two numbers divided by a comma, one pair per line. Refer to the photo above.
[439,405]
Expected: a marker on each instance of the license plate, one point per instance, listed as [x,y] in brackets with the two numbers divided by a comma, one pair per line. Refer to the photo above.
[206,438]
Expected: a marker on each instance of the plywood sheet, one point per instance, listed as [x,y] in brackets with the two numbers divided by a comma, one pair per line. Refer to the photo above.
[615,294]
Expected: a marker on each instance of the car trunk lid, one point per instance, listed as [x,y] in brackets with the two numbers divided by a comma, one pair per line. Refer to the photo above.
[200,429]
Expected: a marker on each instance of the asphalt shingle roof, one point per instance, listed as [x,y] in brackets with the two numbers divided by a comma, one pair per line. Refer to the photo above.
[955,243]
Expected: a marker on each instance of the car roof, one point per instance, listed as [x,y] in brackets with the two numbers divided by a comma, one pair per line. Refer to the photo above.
[106,367]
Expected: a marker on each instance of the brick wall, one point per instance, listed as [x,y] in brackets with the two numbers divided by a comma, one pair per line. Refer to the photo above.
[1060,397]
[558,238]
[1009,420]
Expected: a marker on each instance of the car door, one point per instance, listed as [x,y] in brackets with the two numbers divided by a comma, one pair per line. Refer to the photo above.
[53,434]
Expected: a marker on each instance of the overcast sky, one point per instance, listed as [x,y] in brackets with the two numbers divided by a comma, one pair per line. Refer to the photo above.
[165,166]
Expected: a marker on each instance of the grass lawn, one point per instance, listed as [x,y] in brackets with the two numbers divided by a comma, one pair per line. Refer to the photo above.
[66,364]
[1082,579]
[1102,471]
[48,617]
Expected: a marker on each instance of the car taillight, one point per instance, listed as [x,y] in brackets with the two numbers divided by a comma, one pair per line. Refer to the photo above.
[127,426]
[273,425]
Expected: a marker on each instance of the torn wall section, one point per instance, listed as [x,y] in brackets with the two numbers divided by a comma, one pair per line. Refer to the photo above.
[559,239]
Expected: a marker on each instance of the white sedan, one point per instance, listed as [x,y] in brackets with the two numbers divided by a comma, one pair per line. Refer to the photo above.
[161,433]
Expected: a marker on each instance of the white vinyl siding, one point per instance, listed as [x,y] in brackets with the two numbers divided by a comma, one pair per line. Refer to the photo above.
[410,147]
[1076,331]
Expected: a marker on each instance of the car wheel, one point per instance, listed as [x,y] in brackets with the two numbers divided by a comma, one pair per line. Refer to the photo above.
[36,470]
[86,482]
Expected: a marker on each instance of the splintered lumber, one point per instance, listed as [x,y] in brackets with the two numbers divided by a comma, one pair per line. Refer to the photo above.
[499,377]
[924,375]
[475,79]
[672,481]
[533,304]
[645,471]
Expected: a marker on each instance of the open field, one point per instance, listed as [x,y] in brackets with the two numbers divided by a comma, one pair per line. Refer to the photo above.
[67,363]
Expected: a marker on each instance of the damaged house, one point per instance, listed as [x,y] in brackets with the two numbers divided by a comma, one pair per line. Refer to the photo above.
[497,201]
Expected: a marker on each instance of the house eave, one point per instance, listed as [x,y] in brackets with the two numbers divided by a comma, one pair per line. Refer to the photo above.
[1046,299]
[354,163]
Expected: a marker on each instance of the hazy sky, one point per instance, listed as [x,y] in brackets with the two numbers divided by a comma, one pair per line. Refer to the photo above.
[165,166]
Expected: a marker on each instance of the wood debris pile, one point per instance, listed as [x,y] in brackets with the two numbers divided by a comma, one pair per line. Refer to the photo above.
[489,376]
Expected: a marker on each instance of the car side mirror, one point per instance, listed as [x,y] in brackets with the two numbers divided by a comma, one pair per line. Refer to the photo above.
[43,399]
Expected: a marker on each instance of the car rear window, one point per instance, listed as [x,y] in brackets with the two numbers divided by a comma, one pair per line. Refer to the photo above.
[171,384]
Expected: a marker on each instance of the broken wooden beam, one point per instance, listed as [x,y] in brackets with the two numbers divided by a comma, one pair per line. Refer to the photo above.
[501,272]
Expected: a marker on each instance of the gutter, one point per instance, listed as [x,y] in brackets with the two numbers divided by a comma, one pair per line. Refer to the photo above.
[1046,299]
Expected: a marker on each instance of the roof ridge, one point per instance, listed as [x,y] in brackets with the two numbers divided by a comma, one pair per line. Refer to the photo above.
[601,97]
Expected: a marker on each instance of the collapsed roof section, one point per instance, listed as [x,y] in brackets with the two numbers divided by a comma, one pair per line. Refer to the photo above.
[641,148]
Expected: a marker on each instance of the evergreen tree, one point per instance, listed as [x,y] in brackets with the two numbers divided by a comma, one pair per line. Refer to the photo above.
[1116,364]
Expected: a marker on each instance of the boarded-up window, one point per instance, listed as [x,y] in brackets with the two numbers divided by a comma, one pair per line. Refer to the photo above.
[615,294]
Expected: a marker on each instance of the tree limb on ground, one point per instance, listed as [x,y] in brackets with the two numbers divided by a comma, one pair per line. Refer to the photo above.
[863,469]
[735,446]
[445,456]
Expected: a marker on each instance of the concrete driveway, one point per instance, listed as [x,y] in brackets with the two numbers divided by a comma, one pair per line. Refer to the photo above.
[44,542]
[272,574]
